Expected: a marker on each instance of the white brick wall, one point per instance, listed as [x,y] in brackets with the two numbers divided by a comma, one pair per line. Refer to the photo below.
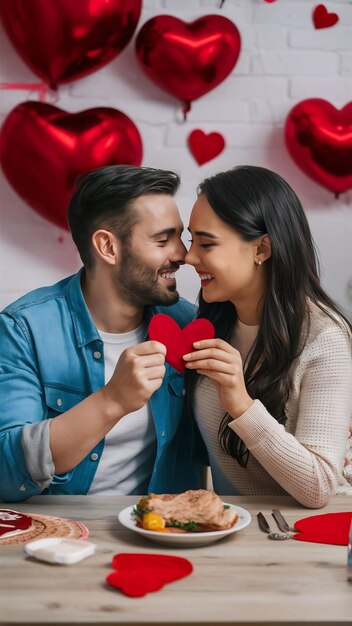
[283,61]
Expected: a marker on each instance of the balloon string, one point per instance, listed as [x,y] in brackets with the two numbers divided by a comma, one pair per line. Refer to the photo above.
[186,109]
[42,88]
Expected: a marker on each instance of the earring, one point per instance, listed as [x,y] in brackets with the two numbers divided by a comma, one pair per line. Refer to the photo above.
[260,263]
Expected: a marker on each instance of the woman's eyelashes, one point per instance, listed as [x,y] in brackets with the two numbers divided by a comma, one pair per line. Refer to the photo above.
[202,245]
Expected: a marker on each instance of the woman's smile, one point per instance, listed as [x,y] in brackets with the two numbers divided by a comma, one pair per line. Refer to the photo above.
[205,278]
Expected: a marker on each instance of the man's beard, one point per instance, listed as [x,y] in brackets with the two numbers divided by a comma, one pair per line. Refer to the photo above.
[138,282]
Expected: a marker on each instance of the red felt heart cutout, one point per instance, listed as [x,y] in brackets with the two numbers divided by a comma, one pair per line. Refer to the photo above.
[319,139]
[327,528]
[13,520]
[139,574]
[44,149]
[205,147]
[322,18]
[179,341]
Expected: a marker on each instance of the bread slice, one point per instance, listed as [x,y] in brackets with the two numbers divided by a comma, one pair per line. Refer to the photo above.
[191,511]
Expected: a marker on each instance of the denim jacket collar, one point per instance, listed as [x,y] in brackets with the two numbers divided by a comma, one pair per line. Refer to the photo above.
[84,327]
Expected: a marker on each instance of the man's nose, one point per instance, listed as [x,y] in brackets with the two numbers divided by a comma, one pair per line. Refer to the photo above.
[180,252]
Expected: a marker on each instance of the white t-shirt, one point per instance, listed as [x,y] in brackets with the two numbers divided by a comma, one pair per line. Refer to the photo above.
[129,452]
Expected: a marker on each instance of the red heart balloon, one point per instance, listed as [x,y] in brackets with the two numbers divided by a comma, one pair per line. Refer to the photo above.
[188,59]
[64,40]
[139,574]
[319,139]
[327,528]
[179,341]
[322,18]
[44,149]
[13,520]
[205,147]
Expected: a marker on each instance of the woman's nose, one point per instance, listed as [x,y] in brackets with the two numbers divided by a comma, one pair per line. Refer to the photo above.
[190,257]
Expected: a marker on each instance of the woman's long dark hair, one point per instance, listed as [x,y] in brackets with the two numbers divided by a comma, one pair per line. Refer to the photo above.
[255,201]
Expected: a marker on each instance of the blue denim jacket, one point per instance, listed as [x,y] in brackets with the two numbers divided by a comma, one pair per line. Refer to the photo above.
[47,366]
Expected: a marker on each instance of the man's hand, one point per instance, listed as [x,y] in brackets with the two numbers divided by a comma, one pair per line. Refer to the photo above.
[139,372]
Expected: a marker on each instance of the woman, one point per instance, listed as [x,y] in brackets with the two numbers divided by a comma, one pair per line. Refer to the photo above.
[272,394]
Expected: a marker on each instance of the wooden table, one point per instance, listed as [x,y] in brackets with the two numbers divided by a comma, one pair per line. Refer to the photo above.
[242,579]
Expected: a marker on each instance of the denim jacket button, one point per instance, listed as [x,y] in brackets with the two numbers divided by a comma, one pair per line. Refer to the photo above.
[23,488]
[59,402]
[97,354]
[94,456]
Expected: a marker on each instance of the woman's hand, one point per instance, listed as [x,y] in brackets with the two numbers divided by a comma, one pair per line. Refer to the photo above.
[222,363]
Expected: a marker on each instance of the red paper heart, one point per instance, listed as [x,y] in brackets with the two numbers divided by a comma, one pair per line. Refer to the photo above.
[13,520]
[139,574]
[178,341]
[188,59]
[44,149]
[322,18]
[327,528]
[67,39]
[319,139]
[205,147]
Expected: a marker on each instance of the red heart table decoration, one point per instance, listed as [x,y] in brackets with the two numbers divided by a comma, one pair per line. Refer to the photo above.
[179,341]
[319,139]
[330,528]
[139,574]
[66,39]
[205,147]
[188,59]
[44,149]
[322,18]
[13,521]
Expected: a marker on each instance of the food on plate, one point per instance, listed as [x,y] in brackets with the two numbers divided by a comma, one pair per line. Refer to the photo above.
[191,511]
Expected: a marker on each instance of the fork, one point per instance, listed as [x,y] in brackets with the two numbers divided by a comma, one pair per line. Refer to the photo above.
[265,528]
[282,523]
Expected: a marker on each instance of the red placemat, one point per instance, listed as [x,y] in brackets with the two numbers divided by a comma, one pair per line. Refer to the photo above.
[330,528]
[48,526]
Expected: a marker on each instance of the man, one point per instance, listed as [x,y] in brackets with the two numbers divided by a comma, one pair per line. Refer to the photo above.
[88,403]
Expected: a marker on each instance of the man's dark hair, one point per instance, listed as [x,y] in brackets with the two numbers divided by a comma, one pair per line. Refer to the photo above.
[104,199]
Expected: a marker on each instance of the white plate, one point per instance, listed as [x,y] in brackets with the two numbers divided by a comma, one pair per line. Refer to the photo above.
[185,540]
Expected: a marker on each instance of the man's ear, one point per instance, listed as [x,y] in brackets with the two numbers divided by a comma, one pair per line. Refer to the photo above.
[263,250]
[106,246]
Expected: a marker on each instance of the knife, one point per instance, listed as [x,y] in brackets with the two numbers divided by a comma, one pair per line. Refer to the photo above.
[281,522]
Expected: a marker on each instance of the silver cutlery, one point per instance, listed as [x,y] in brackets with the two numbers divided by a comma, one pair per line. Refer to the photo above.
[282,523]
[265,528]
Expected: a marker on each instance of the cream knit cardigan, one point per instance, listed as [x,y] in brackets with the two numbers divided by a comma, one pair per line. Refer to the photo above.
[304,458]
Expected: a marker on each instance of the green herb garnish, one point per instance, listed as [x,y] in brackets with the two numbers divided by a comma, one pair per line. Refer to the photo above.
[184,525]
[138,511]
